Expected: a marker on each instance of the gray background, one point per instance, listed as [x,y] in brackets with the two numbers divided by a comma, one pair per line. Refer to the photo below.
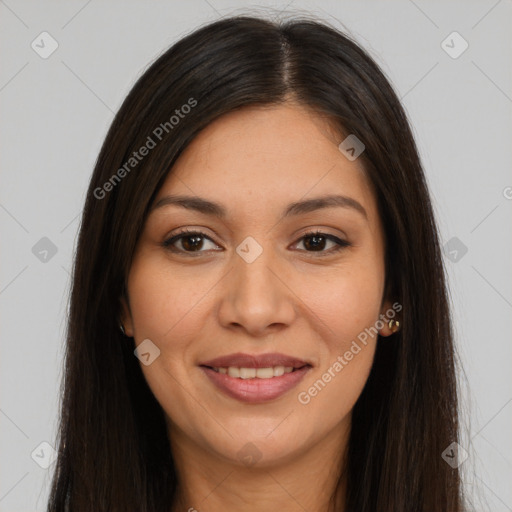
[55,114]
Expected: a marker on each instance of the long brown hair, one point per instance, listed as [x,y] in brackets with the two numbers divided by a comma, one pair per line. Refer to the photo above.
[113,449]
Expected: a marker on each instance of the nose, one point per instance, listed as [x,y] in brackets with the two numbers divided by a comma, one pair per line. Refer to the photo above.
[256,296]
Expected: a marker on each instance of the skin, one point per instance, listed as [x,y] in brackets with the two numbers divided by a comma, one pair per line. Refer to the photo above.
[199,305]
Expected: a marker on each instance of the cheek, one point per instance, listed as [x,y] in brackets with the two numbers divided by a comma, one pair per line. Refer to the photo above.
[345,302]
[346,356]
[347,308]
[162,301]
[164,306]
[170,307]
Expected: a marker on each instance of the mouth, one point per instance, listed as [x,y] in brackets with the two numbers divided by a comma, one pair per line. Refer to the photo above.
[254,373]
[255,378]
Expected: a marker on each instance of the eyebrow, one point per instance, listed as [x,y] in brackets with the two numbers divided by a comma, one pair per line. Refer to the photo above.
[297,208]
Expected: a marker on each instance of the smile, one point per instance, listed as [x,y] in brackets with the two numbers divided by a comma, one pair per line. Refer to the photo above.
[254,373]
[255,378]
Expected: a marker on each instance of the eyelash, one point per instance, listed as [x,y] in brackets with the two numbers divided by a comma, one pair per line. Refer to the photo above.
[168,244]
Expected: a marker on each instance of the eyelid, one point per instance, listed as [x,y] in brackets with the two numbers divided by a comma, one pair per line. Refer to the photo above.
[183,233]
[341,243]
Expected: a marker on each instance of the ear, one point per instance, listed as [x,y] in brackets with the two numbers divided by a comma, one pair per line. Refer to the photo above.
[387,313]
[126,316]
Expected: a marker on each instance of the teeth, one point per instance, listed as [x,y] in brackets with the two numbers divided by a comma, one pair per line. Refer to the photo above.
[233,372]
[247,373]
[280,370]
[266,373]
[255,373]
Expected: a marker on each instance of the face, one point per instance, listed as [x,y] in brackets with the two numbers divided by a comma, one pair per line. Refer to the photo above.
[259,314]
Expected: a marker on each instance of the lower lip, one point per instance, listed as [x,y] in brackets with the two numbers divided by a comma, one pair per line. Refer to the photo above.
[256,390]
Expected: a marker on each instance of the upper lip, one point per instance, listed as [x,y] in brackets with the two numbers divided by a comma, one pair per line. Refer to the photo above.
[241,360]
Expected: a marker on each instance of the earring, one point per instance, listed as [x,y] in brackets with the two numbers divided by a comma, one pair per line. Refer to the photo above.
[122,328]
[394,325]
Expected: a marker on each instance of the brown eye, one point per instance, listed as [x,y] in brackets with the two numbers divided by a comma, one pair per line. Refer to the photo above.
[191,241]
[316,242]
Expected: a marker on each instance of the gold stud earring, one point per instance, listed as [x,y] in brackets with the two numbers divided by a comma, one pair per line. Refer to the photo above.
[394,325]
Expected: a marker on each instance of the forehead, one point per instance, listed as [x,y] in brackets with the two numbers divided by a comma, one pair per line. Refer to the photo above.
[257,157]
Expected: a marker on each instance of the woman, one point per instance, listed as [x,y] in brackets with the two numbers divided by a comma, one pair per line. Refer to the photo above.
[259,316]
